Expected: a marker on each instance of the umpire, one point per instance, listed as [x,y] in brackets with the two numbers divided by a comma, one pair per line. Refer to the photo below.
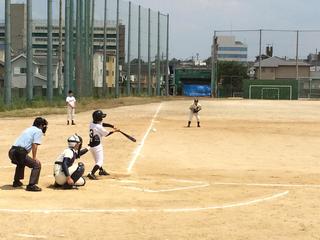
[28,142]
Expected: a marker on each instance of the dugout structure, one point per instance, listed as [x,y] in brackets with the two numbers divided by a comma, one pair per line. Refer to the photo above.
[191,81]
[284,89]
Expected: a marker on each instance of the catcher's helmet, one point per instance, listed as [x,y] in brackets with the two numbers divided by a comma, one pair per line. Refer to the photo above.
[74,140]
[98,115]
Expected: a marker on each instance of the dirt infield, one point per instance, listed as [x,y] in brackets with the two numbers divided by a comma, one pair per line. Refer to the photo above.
[252,171]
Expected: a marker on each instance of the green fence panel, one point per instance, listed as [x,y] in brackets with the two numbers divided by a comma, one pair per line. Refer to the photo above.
[284,89]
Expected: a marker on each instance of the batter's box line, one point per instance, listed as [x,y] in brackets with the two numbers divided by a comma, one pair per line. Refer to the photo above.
[166,190]
[135,210]
[199,184]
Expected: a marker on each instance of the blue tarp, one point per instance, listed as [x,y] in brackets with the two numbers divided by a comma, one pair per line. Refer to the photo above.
[194,90]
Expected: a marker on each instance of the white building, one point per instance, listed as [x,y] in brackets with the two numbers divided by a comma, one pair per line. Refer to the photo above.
[228,49]
[40,35]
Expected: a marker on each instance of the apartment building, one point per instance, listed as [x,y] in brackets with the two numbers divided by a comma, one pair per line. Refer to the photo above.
[39,35]
[228,49]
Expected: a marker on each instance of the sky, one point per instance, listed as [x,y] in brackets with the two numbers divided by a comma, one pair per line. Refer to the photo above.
[193,22]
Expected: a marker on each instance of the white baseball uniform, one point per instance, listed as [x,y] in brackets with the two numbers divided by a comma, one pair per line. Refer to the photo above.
[71,103]
[192,113]
[97,131]
[59,175]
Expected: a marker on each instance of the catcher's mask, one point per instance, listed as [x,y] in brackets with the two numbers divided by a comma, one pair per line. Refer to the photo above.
[74,140]
[98,115]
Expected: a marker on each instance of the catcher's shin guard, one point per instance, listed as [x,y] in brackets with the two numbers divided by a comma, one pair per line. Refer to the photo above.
[189,123]
[76,175]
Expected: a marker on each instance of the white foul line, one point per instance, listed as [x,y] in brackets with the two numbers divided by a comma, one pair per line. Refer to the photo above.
[140,146]
[228,205]
[267,184]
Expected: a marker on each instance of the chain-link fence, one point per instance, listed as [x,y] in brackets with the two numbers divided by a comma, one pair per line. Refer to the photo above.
[268,54]
[94,47]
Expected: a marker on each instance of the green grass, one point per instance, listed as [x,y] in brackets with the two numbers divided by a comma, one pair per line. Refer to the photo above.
[40,106]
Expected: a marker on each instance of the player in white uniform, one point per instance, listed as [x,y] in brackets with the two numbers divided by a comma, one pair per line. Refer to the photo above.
[96,132]
[194,111]
[66,173]
[71,106]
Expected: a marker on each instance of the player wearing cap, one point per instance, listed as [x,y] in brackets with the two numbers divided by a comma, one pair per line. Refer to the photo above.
[194,111]
[96,132]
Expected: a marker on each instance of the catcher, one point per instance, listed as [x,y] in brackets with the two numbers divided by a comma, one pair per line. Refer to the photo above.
[66,173]
[194,111]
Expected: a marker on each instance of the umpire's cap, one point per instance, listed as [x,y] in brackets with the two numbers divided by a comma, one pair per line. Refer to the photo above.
[98,115]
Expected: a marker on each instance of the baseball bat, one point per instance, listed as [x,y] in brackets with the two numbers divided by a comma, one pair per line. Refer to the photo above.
[128,136]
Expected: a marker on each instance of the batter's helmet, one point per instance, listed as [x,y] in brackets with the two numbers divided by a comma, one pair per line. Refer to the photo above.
[74,140]
[98,115]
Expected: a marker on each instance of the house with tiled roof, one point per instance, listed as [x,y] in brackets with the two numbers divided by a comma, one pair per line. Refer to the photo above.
[278,68]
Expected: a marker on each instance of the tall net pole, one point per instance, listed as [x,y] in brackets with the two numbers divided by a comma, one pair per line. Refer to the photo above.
[117,53]
[158,57]
[29,52]
[7,76]
[49,52]
[139,51]
[104,67]
[129,53]
[167,58]
[67,48]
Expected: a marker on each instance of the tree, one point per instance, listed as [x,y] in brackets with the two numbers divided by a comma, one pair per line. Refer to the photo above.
[230,76]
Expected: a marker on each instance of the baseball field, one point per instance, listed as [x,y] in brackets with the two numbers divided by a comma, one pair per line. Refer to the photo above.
[251,171]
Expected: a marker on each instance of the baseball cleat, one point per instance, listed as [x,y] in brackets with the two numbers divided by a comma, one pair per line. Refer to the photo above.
[33,188]
[17,184]
[91,176]
[103,172]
